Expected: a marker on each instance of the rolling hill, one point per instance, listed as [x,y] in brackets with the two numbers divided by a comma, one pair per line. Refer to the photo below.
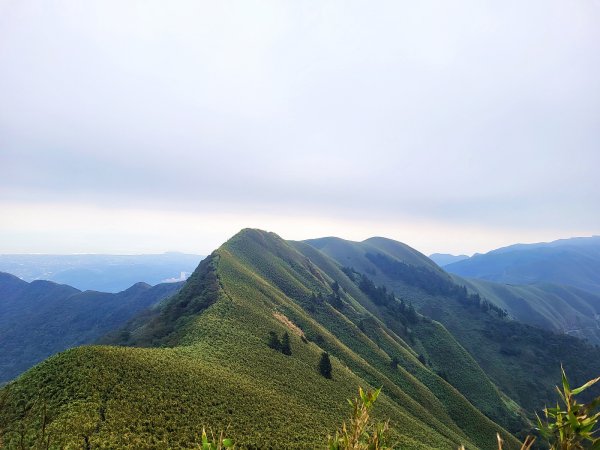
[41,318]
[205,362]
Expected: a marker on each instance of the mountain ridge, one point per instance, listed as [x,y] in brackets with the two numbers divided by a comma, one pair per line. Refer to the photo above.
[238,295]
[455,375]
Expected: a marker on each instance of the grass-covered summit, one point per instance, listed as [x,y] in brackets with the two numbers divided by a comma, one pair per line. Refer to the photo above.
[207,362]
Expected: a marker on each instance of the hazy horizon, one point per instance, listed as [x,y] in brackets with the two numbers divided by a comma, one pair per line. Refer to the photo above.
[314,237]
[130,128]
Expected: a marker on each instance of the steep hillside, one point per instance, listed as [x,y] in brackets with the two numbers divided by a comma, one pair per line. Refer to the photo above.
[572,262]
[563,309]
[215,369]
[435,347]
[41,318]
[521,360]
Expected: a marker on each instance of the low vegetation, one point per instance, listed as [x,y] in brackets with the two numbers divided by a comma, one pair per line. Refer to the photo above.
[570,426]
[219,443]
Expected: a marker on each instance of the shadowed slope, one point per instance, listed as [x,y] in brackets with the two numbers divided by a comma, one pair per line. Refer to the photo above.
[41,318]
[559,308]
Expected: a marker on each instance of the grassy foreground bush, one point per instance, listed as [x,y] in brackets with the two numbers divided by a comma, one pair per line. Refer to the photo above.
[570,426]
[361,433]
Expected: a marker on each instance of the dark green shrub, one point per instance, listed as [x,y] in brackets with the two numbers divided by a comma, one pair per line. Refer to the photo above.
[325,365]
[274,341]
[286,349]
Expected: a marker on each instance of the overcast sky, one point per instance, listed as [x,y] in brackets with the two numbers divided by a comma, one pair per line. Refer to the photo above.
[140,126]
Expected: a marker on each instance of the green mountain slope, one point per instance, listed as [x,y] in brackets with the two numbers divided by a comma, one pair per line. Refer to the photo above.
[351,254]
[41,318]
[214,367]
[432,342]
[560,308]
[523,361]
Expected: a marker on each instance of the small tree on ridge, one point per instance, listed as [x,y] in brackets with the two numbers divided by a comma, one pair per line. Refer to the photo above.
[325,365]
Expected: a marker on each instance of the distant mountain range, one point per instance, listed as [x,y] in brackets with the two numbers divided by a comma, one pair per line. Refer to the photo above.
[554,285]
[455,368]
[572,262]
[106,273]
[443,259]
[41,318]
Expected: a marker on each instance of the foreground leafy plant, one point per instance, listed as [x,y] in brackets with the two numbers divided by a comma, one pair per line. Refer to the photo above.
[526,445]
[361,433]
[572,426]
[218,444]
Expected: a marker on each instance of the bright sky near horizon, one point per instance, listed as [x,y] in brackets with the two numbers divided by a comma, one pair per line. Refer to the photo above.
[147,126]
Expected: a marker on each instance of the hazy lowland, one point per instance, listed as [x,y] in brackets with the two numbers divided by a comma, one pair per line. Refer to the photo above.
[106,273]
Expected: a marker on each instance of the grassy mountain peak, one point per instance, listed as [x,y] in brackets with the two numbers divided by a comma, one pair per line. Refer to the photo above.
[208,363]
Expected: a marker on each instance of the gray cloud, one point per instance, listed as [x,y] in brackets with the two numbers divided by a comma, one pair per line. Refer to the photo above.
[466,112]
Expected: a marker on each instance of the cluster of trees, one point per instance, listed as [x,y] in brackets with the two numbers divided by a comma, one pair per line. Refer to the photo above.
[281,345]
[483,304]
[158,327]
[334,298]
[417,276]
[325,365]
[379,295]
[431,282]
[405,311]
